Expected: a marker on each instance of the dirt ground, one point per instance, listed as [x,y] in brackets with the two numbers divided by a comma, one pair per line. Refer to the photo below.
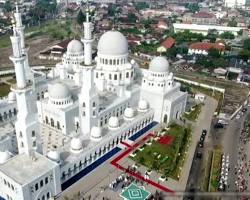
[36,45]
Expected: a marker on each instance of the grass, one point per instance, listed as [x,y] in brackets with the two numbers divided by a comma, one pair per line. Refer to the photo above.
[11,81]
[193,115]
[4,89]
[55,29]
[208,163]
[215,171]
[209,92]
[166,159]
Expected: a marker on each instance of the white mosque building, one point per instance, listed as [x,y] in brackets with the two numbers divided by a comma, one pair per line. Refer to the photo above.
[71,120]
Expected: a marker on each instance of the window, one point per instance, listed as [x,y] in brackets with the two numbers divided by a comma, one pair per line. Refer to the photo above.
[22,145]
[83,113]
[132,73]
[83,104]
[46,180]
[33,134]
[120,76]
[48,195]
[127,75]
[41,183]
[36,186]
[93,104]
[115,77]
[34,144]
[93,113]
[110,76]
[21,134]
[96,75]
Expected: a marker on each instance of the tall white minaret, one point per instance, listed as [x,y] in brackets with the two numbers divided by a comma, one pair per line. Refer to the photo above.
[87,40]
[88,102]
[27,125]
[19,28]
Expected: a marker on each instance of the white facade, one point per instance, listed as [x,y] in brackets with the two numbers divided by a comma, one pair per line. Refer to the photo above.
[203,29]
[87,107]
[235,3]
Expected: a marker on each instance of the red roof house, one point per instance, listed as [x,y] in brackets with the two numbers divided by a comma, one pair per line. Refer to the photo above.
[166,44]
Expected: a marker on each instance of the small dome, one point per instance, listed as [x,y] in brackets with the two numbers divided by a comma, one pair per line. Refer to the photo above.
[96,133]
[159,64]
[4,156]
[76,144]
[59,91]
[129,113]
[75,47]
[113,43]
[113,122]
[11,97]
[54,156]
[143,105]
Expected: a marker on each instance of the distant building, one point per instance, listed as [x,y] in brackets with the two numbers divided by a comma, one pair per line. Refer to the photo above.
[200,18]
[162,25]
[202,48]
[166,44]
[203,29]
[55,52]
[235,3]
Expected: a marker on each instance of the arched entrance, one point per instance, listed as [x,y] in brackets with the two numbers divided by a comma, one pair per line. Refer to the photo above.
[165,120]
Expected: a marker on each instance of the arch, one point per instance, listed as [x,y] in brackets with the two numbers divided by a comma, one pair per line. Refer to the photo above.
[114,62]
[177,115]
[10,114]
[165,120]
[5,115]
[46,120]
[52,122]
[15,112]
[58,125]
[42,95]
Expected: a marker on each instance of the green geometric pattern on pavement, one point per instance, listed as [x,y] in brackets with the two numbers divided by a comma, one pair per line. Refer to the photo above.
[133,192]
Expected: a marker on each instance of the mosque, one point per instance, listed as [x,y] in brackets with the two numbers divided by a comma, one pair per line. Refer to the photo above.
[64,123]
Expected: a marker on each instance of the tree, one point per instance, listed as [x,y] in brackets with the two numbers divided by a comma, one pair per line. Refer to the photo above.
[80,17]
[220,62]
[193,7]
[232,23]
[7,6]
[132,17]
[227,35]
[246,44]
[171,52]
[244,54]
[214,53]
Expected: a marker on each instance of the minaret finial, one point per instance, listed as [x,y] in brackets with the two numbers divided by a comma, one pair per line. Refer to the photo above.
[87,11]
[17,10]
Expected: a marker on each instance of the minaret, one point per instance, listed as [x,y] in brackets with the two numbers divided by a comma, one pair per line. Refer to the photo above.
[27,125]
[88,102]
[87,40]
[19,28]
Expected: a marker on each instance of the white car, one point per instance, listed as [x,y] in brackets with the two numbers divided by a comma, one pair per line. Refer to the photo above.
[237,116]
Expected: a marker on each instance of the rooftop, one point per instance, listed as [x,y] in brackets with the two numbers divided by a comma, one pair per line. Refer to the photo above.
[206,46]
[31,168]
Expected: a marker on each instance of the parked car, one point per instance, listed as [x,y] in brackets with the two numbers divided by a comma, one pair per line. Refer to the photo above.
[201,144]
[218,125]
[204,132]
[199,155]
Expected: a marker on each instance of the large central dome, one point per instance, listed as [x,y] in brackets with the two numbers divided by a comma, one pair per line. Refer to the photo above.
[113,43]
[59,91]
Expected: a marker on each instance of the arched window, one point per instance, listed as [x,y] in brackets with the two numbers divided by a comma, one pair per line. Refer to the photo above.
[114,62]
[93,104]
[33,133]
[83,104]
[34,144]
[127,75]
[117,61]
[115,77]
[52,122]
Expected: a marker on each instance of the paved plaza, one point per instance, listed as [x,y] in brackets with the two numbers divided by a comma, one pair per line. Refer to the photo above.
[96,184]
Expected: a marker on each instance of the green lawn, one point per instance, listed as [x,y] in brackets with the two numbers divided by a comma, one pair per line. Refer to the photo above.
[215,171]
[4,89]
[55,29]
[193,115]
[166,159]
